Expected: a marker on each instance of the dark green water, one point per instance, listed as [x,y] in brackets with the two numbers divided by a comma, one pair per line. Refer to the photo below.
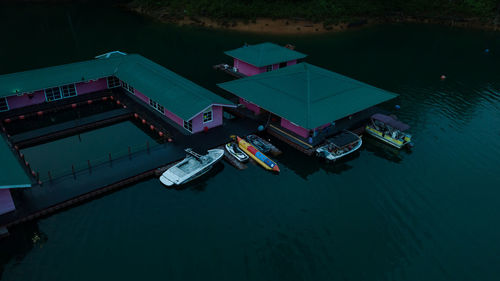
[429,215]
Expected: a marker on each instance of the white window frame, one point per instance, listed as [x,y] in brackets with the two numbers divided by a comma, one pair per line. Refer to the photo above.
[115,82]
[211,115]
[6,105]
[157,106]
[188,125]
[127,87]
[61,90]
[70,88]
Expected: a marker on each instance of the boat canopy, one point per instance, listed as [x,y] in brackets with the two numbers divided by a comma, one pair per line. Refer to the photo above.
[391,121]
[343,138]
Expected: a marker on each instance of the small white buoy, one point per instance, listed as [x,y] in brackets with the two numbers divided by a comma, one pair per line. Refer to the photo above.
[443,77]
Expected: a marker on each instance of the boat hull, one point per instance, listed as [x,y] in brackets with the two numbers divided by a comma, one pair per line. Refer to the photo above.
[170,178]
[332,157]
[242,157]
[386,139]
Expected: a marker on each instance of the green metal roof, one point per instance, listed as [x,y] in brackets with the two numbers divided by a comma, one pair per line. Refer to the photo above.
[307,95]
[264,54]
[177,94]
[12,174]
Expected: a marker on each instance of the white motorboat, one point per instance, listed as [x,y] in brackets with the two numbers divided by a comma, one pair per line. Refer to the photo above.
[192,167]
[340,145]
[234,150]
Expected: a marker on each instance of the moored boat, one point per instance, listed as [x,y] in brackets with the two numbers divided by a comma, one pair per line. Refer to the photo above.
[340,145]
[258,156]
[389,130]
[259,143]
[192,167]
[234,150]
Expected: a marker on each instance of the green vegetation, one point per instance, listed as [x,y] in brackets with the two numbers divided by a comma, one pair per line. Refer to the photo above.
[330,11]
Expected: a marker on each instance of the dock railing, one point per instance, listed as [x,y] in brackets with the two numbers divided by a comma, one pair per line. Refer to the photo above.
[92,164]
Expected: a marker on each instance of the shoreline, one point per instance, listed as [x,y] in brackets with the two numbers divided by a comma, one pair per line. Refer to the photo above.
[297,26]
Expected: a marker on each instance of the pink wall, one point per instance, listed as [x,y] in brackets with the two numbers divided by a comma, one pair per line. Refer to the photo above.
[141,96]
[6,203]
[292,62]
[167,113]
[250,106]
[198,124]
[246,68]
[294,128]
[175,118]
[92,86]
[25,100]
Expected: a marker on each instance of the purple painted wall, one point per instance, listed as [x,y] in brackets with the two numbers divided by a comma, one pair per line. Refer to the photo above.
[174,118]
[198,124]
[251,70]
[92,86]
[246,68]
[167,113]
[303,132]
[141,96]
[6,203]
[253,107]
[25,100]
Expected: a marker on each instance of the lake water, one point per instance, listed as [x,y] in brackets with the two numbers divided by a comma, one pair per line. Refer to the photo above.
[432,214]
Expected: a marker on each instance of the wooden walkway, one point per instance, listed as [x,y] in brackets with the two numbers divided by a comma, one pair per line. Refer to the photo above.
[62,192]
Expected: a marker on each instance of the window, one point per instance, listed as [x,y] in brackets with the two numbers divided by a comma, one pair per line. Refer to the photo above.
[283,64]
[269,68]
[127,87]
[4,106]
[188,125]
[68,91]
[113,82]
[156,106]
[57,93]
[52,94]
[207,115]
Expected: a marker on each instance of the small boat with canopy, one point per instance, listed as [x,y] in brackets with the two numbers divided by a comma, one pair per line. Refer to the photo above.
[389,130]
[340,145]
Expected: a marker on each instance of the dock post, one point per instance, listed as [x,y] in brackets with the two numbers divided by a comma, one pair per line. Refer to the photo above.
[37,176]
[50,176]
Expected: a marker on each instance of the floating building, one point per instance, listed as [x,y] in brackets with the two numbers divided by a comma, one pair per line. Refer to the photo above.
[255,59]
[188,105]
[183,104]
[306,103]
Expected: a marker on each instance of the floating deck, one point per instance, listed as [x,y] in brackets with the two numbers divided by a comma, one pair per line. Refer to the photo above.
[60,192]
